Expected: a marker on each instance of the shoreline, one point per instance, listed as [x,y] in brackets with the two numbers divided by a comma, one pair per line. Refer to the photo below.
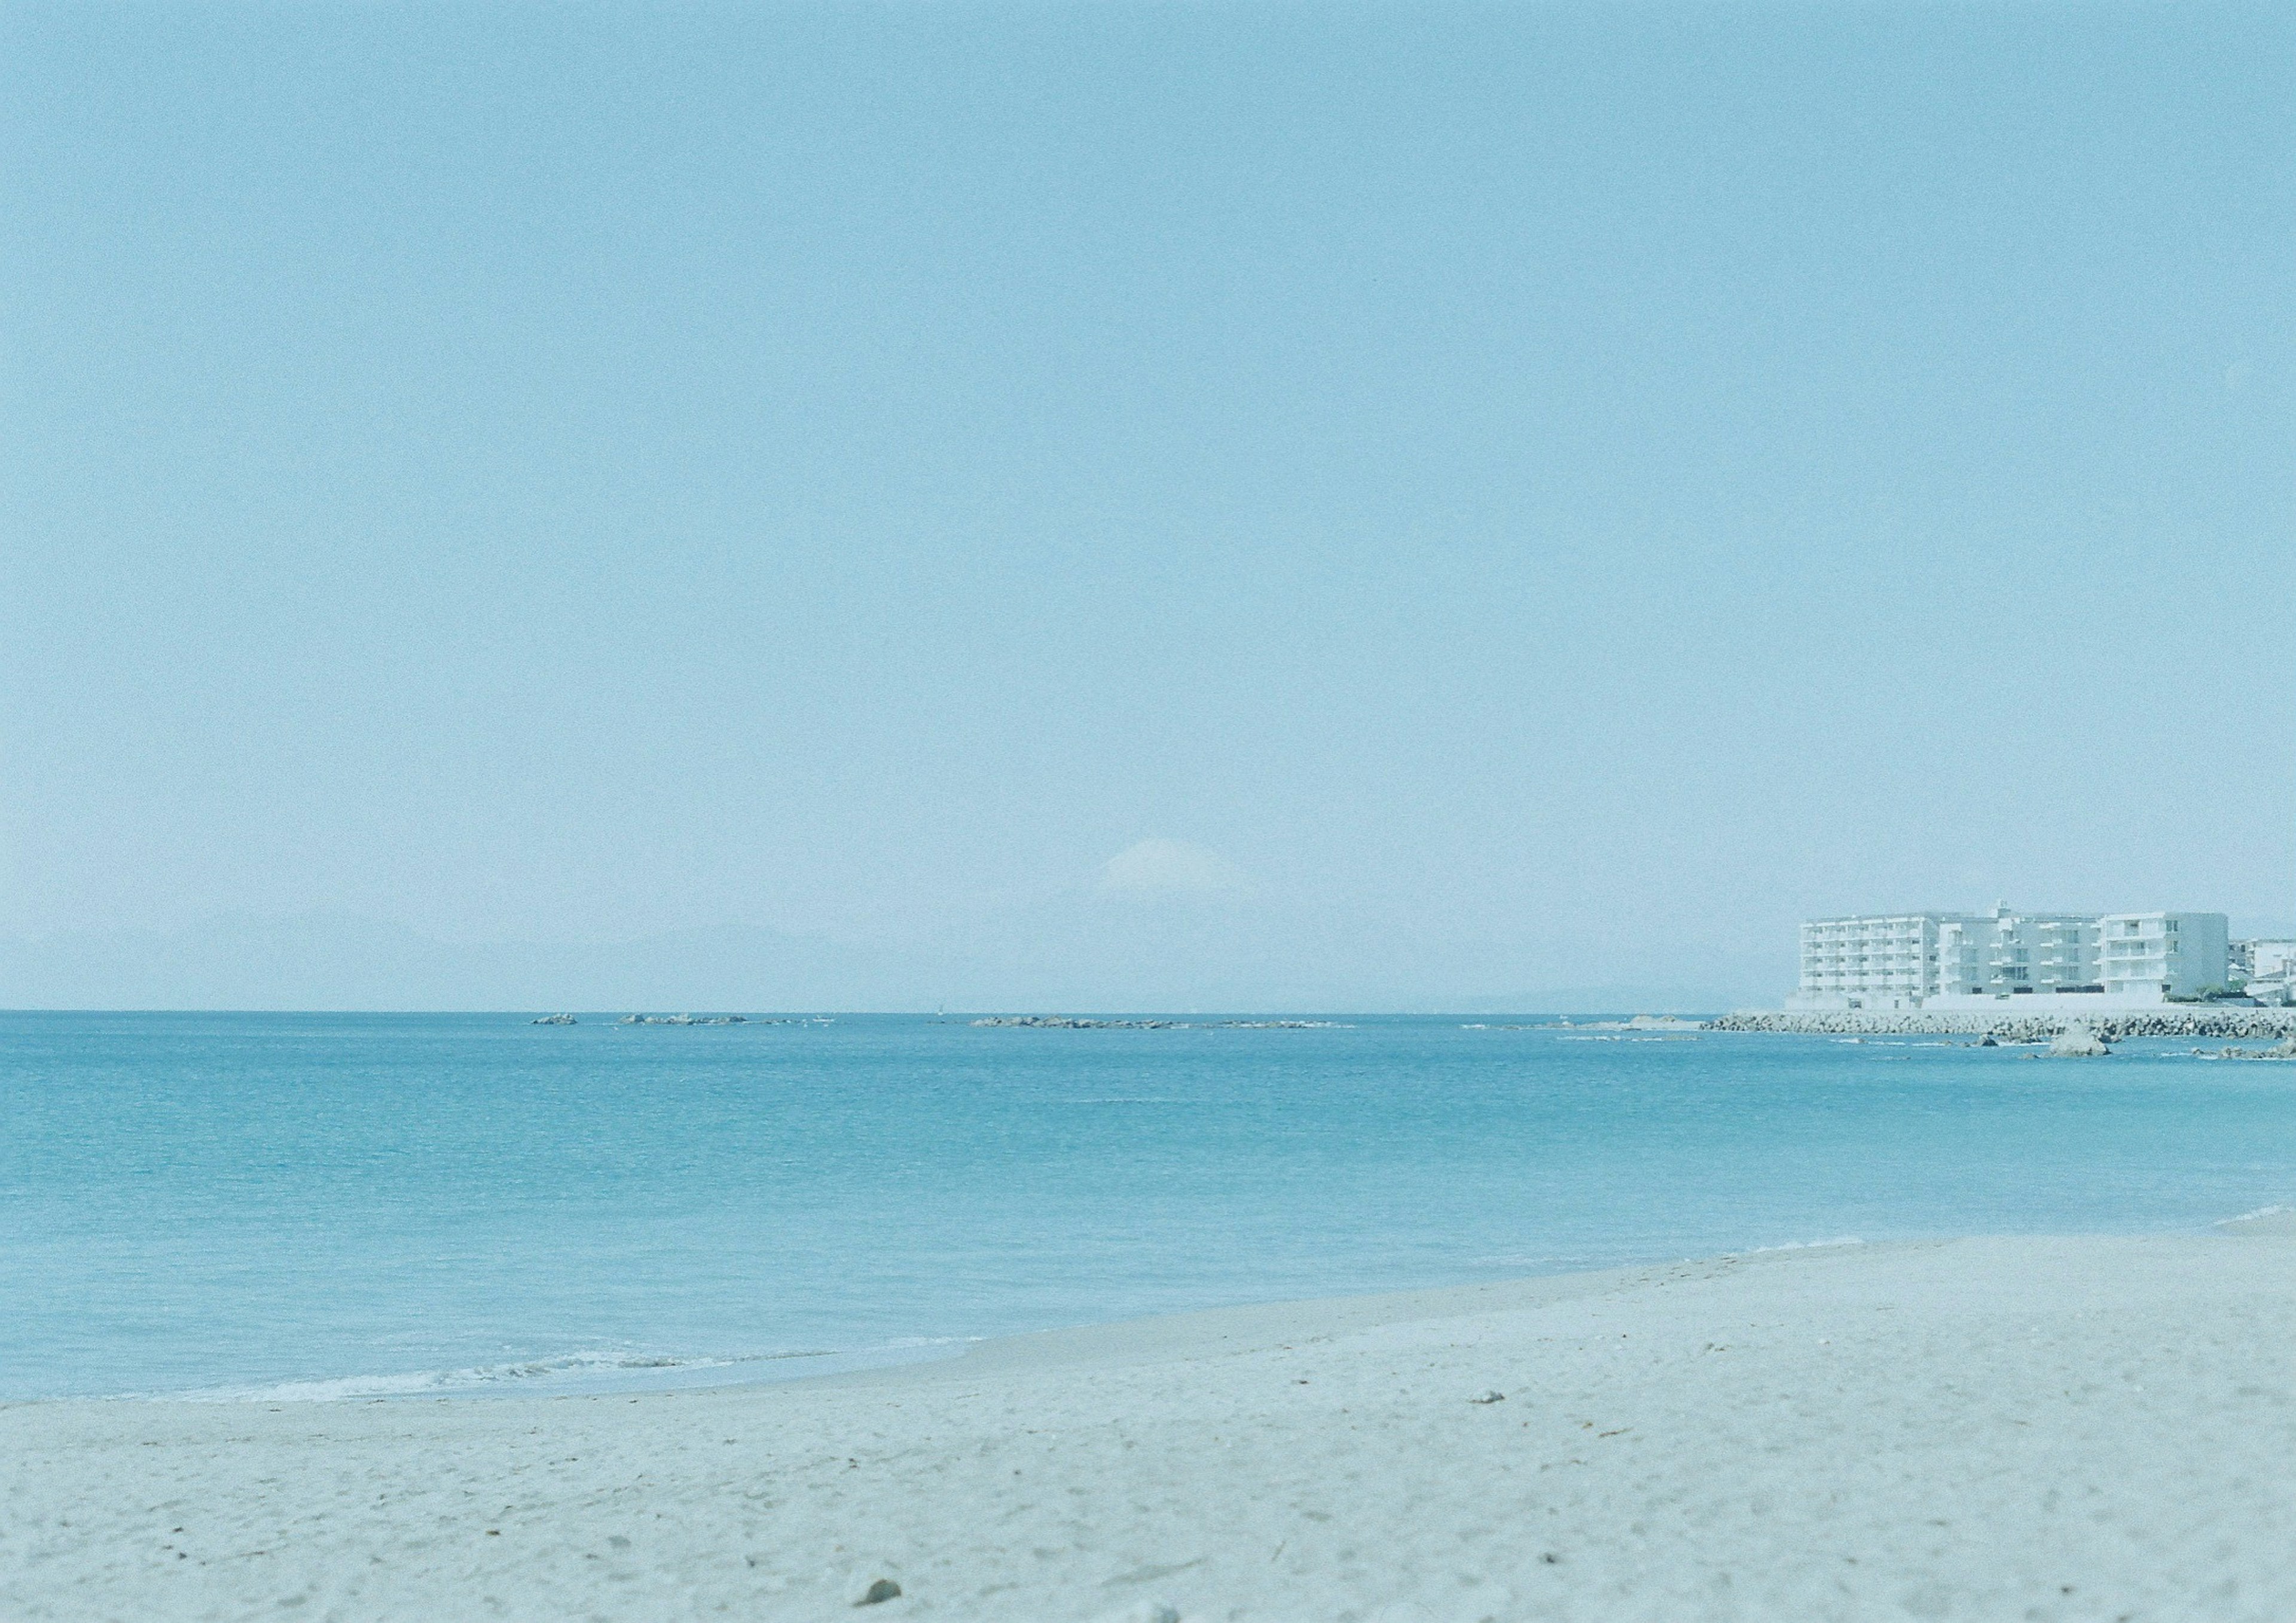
[2059,1427]
[651,1376]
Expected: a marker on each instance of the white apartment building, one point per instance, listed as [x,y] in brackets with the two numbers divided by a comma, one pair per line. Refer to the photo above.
[1949,960]
[1883,962]
[2007,954]
[2179,953]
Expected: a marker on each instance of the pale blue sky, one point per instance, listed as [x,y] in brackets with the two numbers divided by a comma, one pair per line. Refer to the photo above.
[1514,498]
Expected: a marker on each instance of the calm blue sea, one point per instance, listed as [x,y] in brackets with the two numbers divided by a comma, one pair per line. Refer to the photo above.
[293,1205]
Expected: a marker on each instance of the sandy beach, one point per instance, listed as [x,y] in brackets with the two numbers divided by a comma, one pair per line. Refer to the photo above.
[2084,1428]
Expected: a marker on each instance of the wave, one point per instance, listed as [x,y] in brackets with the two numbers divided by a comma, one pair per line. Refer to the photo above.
[595,1369]
[569,1366]
[2264,1219]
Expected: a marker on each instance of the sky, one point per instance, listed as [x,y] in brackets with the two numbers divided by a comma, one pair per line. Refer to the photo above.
[1220,506]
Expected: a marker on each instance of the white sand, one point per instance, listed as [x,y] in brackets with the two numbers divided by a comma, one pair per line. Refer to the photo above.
[1994,1428]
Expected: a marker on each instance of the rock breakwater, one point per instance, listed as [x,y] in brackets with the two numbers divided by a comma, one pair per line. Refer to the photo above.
[1073,1022]
[2114,1028]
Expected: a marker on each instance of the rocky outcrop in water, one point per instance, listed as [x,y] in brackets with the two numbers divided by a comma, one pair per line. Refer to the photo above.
[685,1019]
[2284,1051]
[553,1019]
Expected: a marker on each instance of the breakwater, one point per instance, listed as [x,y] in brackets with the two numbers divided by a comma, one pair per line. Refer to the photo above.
[2111,1026]
[1073,1022]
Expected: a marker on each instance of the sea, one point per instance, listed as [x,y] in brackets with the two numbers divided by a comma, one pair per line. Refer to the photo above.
[279,1207]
